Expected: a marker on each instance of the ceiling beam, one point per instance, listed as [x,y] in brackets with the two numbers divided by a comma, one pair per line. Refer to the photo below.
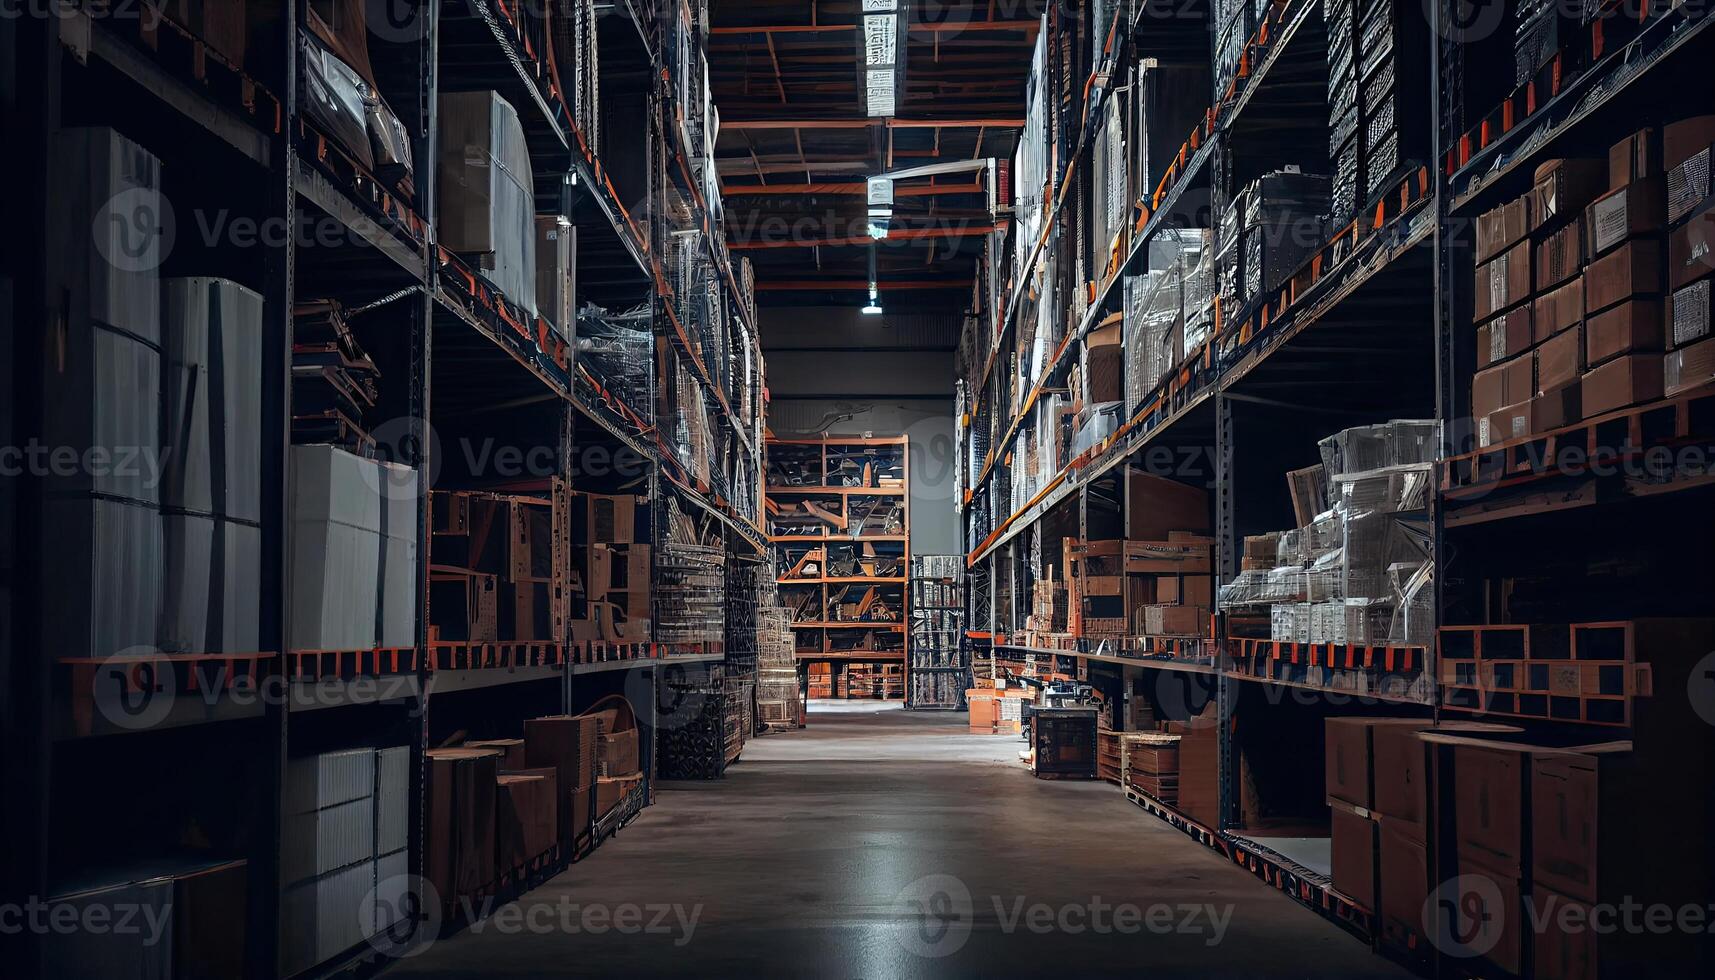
[900,235]
[858,285]
[762,124]
[949,27]
[843,190]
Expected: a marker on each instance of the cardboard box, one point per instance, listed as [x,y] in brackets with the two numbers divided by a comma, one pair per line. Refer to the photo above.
[1632,211]
[1686,155]
[1559,309]
[1688,367]
[527,818]
[1502,228]
[486,203]
[1503,282]
[1175,620]
[1348,761]
[1628,380]
[513,756]
[610,792]
[1496,908]
[1563,188]
[1690,313]
[1565,946]
[1402,885]
[565,744]
[1682,140]
[1505,337]
[1506,384]
[460,833]
[1353,848]
[617,753]
[1559,360]
[1403,772]
[1635,158]
[1634,326]
[1633,269]
[1504,424]
[1560,255]
[1489,790]
[1159,506]
[1557,408]
[1691,249]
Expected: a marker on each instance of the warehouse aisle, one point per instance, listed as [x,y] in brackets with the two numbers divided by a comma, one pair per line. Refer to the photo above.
[808,859]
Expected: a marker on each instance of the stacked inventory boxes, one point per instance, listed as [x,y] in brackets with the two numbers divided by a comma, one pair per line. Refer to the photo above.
[102,579]
[1272,228]
[1161,312]
[1624,292]
[1544,27]
[353,540]
[1345,141]
[346,831]
[486,204]
[458,839]
[569,746]
[1393,91]
[1168,559]
[212,499]
[615,564]
[1235,22]
[1686,147]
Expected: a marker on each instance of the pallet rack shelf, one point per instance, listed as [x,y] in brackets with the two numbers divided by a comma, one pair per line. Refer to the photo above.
[1371,323]
[461,362]
[839,517]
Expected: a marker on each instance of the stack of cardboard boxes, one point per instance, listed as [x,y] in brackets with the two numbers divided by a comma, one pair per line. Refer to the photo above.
[569,745]
[1169,558]
[1589,298]
[613,563]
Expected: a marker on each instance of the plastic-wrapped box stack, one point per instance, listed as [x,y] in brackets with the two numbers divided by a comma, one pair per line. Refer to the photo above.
[1278,226]
[1160,308]
[347,827]
[103,580]
[486,206]
[1395,124]
[1544,27]
[1345,142]
[940,670]
[212,498]
[1359,571]
[1235,21]
[618,348]
[354,533]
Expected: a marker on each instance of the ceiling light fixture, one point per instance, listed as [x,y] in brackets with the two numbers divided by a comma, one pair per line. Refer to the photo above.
[874,307]
[881,30]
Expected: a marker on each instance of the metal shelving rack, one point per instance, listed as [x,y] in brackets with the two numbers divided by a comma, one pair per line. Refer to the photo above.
[1346,314]
[465,349]
[827,588]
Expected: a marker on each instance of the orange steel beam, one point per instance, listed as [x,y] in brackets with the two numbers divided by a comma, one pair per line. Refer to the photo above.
[857,285]
[949,27]
[845,190]
[919,234]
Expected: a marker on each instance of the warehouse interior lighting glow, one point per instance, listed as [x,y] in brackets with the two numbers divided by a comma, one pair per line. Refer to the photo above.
[881,55]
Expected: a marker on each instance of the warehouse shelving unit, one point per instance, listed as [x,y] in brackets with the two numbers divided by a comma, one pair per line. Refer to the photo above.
[467,371]
[1372,324]
[839,513]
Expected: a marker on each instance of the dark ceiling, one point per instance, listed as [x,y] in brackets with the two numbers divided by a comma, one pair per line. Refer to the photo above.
[796,144]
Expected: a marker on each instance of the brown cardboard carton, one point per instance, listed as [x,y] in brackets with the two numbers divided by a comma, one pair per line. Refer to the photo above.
[1689,313]
[565,744]
[512,755]
[1502,228]
[609,792]
[1686,154]
[1560,360]
[1503,282]
[1560,255]
[1348,759]
[1557,408]
[1627,380]
[1634,326]
[1489,786]
[1175,620]
[1497,907]
[1160,506]
[1632,211]
[1691,366]
[618,753]
[1563,188]
[1402,885]
[1633,269]
[1635,158]
[1682,140]
[459,860]
[1354,857]
[1501,425]
[1691,250]
[526,818]
[1505,384]
[1557,310]
[1505,337]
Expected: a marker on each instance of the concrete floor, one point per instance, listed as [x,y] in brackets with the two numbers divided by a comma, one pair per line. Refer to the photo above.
[885,843]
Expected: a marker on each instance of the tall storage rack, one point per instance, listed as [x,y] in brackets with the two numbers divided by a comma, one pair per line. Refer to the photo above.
[1364,319]
[495,407]
[839,521]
